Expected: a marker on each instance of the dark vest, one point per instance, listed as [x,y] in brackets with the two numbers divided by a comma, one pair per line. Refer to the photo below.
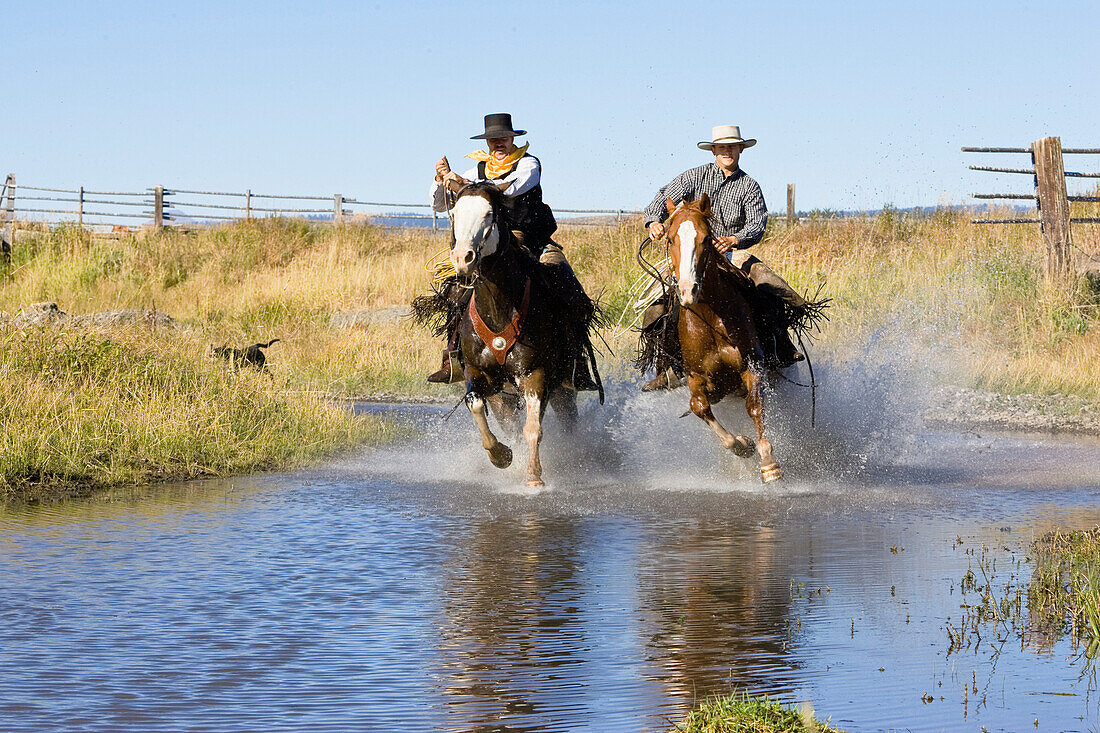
[527,212]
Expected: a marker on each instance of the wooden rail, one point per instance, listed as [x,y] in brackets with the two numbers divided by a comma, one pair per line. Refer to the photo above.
[1050,196]
[165,206]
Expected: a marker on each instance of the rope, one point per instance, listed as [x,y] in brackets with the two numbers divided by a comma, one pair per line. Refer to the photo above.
[439,267]
[640,294]
[642,287]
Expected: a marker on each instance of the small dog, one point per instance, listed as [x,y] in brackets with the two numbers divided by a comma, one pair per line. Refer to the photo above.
[252,356]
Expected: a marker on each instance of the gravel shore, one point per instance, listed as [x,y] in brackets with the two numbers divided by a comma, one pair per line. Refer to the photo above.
[971,408]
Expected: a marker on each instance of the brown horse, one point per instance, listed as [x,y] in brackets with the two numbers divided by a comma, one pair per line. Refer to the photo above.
[517,324]
[721,347]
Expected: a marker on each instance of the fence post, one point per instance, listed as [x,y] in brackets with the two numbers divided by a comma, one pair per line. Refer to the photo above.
[80,209]
[248,204]
[338,209]
[158,208]
[7,218]
[792,218]
[1050,186]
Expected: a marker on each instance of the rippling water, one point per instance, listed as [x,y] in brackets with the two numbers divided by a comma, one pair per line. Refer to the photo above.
[417,588]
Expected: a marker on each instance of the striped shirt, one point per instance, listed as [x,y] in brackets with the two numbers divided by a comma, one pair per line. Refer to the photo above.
[736,202]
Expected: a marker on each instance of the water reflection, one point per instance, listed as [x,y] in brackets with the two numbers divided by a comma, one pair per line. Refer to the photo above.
[513,627]
[716,601]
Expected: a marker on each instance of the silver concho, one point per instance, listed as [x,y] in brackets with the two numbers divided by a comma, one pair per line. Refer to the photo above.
[499,343]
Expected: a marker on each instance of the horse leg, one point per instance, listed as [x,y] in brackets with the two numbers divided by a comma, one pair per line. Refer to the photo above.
[505,408]
[564,402]
[741,445]
[499,454]
[754,403]
[534,392]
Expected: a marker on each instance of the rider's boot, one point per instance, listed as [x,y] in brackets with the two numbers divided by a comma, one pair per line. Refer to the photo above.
[668,377]
[785,352]
[451,369]
[581,380]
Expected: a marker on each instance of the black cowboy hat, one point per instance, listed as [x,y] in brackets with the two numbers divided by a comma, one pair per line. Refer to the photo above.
[498,125]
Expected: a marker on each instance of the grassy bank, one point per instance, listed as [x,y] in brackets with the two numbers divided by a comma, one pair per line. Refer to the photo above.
[964,301]
[744,714]
[83,411]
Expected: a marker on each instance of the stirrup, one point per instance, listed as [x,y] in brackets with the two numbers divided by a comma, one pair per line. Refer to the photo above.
[668,379]
[451,372]
[581,379]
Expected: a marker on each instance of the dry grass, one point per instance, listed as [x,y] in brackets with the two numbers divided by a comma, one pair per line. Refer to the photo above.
[972,298]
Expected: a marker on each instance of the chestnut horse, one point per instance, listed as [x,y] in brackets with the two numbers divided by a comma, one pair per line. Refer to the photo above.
[721,348]
[517,324]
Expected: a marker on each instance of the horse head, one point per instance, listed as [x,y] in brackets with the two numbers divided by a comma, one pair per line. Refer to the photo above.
[689,243]
[478,225]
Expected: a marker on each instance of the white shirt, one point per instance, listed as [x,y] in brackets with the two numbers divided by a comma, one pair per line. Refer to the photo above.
[525,176]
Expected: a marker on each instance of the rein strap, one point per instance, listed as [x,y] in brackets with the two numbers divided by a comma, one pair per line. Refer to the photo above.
[501,343]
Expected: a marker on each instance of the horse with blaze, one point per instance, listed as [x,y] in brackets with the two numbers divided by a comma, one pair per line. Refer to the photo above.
[518,324]
[720,344]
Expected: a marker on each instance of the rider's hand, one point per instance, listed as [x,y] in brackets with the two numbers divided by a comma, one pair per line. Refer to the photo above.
[656,230]
[451,176]
[442,168]
[725,244]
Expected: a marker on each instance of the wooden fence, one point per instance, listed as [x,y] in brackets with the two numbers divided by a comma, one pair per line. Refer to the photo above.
[160,206]
[1049,195]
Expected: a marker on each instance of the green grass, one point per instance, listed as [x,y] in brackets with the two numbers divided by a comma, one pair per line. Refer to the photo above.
[1064,593]
[744,714]
[84,411]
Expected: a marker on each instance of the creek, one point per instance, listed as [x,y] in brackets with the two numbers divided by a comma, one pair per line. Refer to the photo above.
[416,587]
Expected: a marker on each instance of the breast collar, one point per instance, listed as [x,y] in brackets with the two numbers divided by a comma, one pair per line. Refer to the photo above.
[501,343]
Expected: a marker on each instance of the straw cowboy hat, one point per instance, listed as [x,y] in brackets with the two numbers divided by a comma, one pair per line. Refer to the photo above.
[498,125]
[724,135]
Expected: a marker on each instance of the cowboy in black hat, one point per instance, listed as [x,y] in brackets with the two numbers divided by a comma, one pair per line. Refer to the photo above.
[505,162]
[527,214]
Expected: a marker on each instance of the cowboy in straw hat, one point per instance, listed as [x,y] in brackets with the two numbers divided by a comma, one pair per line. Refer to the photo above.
[528,216]
[738,219]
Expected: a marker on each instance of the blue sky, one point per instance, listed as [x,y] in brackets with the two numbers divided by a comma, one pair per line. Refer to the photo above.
[859,104]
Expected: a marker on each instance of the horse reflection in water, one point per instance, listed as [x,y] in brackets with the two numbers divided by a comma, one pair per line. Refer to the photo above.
[721,348]
[522,325]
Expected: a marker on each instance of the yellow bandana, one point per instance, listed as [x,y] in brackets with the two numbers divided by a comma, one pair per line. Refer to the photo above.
[494,168]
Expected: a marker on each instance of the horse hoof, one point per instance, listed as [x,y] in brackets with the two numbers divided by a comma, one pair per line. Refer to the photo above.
[771,473]
[500,455]
[743,447]
[535,483]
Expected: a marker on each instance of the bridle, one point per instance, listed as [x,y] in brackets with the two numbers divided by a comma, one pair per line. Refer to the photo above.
[505,237]
[706,245]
